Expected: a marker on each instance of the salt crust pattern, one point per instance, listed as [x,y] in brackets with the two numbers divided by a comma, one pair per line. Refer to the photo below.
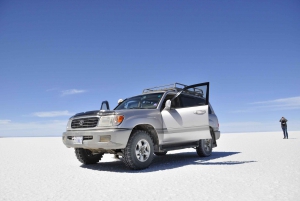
[244,166]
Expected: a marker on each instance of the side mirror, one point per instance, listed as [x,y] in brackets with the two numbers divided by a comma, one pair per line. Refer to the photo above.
[120,101]
[168,105]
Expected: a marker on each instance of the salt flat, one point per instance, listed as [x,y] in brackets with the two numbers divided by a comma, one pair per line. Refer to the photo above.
[244,166]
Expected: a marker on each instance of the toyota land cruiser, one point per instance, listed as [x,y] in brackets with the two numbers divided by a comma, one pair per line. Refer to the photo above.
[162,118]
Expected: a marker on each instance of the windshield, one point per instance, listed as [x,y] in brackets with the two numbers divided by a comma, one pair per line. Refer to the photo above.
[147,101]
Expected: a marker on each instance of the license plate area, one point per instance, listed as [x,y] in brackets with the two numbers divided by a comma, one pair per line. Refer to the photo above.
[77,140]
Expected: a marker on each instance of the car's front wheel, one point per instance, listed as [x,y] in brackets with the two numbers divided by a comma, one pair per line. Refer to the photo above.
[138,153]
[86,157]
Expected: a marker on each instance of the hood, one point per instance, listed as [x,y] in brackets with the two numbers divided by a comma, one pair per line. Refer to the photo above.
[95,113]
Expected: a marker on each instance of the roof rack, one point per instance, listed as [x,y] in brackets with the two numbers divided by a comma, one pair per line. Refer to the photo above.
[176,87]
[169,87]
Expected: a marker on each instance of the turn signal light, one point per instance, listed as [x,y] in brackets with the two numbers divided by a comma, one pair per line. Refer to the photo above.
[118,119]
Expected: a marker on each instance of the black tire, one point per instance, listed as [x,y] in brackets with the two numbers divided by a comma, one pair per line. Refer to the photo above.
[138,154]
[205,148]
[86,157]
[161,153]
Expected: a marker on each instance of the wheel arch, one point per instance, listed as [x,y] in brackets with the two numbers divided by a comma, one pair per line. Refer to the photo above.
[151,130]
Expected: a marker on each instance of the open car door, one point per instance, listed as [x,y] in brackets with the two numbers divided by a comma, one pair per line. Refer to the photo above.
[186,119]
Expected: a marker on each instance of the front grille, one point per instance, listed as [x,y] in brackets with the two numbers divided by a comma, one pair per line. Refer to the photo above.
[84,137]
[85,122]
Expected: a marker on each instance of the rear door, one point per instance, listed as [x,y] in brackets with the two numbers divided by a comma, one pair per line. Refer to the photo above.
[188,119]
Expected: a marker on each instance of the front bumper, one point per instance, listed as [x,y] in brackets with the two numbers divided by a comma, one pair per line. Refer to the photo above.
[91,139]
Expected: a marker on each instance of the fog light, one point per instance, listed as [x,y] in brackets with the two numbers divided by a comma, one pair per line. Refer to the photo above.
[105,138]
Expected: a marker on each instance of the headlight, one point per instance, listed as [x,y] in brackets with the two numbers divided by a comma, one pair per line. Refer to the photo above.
[111,120]
[69,123]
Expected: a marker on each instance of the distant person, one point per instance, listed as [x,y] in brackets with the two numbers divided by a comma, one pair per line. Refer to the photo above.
[284,127]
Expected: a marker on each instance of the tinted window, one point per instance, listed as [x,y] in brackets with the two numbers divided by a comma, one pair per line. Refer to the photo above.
[191,101]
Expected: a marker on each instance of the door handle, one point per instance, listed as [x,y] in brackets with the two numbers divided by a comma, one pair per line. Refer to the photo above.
[200,112]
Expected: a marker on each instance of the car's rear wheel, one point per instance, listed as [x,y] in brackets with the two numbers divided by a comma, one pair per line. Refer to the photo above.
[86,157]
[205,148]
[138,153]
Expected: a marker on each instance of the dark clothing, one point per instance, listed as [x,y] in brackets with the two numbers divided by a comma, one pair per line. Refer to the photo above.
[284,127]
[285,133]
[283,122]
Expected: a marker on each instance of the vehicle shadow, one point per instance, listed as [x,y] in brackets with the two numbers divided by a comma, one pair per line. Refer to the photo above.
[170,161]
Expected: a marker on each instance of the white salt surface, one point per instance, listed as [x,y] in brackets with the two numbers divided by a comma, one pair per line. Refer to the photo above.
[249,166]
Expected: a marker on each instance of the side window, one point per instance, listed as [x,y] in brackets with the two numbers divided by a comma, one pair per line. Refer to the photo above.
[176,103]
[191,101]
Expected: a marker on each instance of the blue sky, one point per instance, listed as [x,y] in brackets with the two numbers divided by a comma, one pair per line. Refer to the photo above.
[59,58]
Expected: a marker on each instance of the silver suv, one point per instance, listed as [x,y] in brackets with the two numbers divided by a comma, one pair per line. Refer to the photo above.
[163,118]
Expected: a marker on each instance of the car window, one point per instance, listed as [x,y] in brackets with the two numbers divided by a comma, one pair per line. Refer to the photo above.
[191,101]
[147,101]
